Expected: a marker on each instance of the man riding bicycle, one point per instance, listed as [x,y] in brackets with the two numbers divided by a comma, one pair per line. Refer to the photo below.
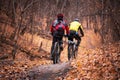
[57,29]
[74,27]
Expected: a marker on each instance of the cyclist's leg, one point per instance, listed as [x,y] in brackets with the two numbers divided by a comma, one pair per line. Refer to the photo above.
[61,42]
[70,37]
[70,48]
[60,38]
[52,47]
[78,38]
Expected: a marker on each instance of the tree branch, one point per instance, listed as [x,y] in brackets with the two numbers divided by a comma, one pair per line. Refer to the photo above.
[31,4]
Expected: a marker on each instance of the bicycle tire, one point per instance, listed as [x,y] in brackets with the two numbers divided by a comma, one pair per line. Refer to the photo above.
[56,52]
[75,52]
[70,51]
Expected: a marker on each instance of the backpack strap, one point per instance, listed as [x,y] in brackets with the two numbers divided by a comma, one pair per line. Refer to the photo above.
[55,23]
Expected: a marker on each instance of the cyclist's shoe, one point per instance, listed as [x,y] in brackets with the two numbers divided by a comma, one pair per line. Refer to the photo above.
[61,47]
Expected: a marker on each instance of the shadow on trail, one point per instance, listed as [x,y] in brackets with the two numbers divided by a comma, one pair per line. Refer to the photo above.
[49,72]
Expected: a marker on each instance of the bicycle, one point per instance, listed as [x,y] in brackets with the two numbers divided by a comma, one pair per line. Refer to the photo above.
[72,50]
[56,52]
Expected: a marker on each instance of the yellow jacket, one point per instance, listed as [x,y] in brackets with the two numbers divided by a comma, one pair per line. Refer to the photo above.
[75,25]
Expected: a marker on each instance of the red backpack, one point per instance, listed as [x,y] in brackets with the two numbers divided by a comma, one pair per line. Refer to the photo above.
[59,25]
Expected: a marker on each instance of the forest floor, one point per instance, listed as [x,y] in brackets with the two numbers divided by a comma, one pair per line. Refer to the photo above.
[93,63]
[101,63]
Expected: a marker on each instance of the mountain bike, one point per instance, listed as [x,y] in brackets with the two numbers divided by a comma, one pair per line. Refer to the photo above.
[72,50]
[56,52]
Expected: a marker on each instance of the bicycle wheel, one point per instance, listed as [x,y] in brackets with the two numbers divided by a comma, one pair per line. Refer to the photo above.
[56,52]
[75,52]
[70,51]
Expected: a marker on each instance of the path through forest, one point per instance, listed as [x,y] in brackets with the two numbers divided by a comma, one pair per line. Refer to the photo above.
[91,64]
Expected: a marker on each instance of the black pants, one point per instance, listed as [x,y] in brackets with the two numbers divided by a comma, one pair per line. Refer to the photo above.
[74,35]
[57,36]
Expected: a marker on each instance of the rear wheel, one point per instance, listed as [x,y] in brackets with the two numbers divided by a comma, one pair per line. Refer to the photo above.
[56,52]
[75,52]
[70,51]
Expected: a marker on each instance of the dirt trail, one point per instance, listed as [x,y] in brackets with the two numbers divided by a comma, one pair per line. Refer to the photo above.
[49,72]
[91,64]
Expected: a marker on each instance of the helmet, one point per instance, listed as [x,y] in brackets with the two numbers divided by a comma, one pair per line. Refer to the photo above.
[76,19]
[60,15]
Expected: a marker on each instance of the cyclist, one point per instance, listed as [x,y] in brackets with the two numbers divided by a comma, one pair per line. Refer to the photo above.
[74,27]
[58,28]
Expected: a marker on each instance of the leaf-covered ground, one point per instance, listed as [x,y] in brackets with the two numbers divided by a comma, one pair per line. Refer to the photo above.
[97,64]
[101,63]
